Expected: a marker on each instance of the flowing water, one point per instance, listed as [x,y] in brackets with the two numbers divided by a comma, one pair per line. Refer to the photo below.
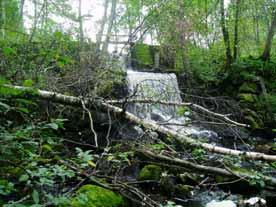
[161,87]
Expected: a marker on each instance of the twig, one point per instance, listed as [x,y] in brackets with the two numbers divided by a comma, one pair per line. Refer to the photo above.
[192,105]
[91,123]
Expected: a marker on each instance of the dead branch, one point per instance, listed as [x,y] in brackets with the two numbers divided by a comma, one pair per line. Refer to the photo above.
[225,117]
[91,123]
[204,169]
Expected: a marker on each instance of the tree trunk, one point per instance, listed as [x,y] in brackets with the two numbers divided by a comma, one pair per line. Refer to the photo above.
[101,105]
[236,35]
[80,19]
[266,53]
[225,34]
[101,31]
[21,13]
[3,18]
[110,25]
[36,15]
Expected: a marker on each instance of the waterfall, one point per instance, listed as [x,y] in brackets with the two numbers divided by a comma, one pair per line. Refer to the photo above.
[159,86]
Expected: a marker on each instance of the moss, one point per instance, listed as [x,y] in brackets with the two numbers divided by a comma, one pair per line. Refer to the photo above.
[252,122]
[254,118]
[150,172]
[247,97]
[142,55]
[95,196]
[248,88]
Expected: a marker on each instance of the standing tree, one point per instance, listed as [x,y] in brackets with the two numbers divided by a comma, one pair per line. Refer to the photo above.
[80,21]
[3,18]
[102,25]
[266,53]
[225,34]
[236,34]
[111,21]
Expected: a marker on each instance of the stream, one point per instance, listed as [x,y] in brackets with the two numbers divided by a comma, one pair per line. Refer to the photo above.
[164,86]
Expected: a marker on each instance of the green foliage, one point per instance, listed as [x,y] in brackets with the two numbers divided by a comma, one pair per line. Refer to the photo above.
[95,196]
[257,181]
[182,109]
[84,158]
[142,55]
[28,156]
[29,62]
[6,187]
[198,153]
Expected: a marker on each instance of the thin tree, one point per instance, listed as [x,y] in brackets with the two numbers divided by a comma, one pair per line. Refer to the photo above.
[236,32]
[266,53]
[225,34]
[21,12]
[112,18]
[3,18]
[80,21]
[102,25]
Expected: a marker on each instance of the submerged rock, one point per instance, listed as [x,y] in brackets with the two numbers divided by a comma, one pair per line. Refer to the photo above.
[254,202]
[221,204]
[95,196]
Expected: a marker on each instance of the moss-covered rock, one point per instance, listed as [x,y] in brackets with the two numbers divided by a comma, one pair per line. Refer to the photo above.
[95,196]
[150,172]
[248,87]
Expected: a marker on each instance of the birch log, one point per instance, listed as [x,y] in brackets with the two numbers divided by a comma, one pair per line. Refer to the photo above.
[100,104]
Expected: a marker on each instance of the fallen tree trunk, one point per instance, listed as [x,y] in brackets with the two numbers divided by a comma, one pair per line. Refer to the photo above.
[100,104]
[224,117]
[205,169]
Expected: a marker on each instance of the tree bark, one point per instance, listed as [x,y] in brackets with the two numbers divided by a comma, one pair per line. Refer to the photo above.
[266,53]
[98,104]
[236,35]
[110,25]
[225,34]
[101,31]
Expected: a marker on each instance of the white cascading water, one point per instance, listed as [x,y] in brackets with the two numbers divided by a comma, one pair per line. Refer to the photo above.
[164,87]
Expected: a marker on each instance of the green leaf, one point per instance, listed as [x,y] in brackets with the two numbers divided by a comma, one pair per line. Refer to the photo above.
[8,51]
[24,178]
[5,106]
[53,126]
[35,197]
[23,109]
